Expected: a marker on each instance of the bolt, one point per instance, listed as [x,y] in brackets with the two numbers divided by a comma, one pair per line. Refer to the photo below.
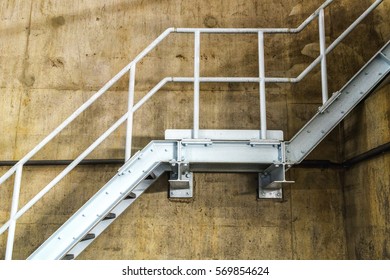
[276,165]
[166,150]
[106,192]
[289,165]
[188,175]
[342,112]
[185,164]
[182,158]
[187,193]
[366,73]
[302,152]
[308,131]
[129,171]
[171,193]
[74,238]
[151,150]
[83,215]
[263,193]
[380,74]
[173,164]
[322,131]
[347,92]
[361,92]
[59,238]
[97,215]
[123,173]
[278,194]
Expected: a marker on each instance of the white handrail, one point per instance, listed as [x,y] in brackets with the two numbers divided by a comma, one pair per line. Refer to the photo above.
[262,79]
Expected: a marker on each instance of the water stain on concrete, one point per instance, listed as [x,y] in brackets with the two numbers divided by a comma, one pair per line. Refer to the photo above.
[210,21]
[57,21]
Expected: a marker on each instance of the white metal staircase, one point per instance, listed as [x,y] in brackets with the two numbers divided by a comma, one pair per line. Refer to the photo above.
[186,151]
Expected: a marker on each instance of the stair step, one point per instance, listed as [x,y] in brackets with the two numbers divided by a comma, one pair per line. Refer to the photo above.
[68,257]
[131,196]
[110,216]
[89,236]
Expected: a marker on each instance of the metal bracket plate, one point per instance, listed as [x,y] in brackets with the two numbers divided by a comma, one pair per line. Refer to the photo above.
[271,182]
[180,180]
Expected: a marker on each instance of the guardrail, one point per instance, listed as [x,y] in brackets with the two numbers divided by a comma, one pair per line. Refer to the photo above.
[17,169]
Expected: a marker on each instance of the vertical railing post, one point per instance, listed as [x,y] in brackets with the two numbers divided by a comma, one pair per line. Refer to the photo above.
[196,83]
[129,129]
[263,112]
[324,74]
[14,210]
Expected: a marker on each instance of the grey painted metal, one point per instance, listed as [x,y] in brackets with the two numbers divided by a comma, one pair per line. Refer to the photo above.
[154,158]
[66,171]
[222,134]
[119,209]
[129,128]
[93,212]
[324,72]
[256,30]
[338,106]
[263,108]
[272,180]
[14,209]
[181,180]
[196,83]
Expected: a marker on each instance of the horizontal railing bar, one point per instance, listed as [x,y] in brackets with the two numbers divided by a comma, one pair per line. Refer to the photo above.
[257,30]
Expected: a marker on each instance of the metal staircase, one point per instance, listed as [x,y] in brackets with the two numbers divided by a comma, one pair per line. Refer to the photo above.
[186,151]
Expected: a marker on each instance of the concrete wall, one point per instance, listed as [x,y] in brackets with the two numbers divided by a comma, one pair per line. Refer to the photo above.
[367,183]
[56,54]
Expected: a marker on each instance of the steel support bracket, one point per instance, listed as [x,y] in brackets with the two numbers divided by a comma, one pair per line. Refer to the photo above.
[180,180]
[271,182]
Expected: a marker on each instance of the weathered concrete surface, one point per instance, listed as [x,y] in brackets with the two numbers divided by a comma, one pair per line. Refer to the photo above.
[56,54]
[367,197]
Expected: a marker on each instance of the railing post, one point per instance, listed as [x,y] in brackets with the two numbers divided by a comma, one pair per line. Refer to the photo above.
[14,210]
[263,112]
[129,129]
[196,83]
[324,74]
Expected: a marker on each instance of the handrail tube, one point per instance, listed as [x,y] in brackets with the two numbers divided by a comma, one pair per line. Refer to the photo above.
[353,26]
[328,50]
[263,107]
[195,132]
[256,30]
[324,72]
[151,93]
[69,168]
[83,107]
[129,128]
[14,209]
